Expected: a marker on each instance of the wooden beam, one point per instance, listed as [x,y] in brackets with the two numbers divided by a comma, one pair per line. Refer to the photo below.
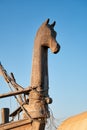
[24,124]
[14,113]
[16,125]
[16,93]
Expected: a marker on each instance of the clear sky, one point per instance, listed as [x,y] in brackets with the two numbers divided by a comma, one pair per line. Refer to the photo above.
[19,21]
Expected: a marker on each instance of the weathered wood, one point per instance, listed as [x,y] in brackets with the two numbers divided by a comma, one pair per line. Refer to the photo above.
[5,115]
[15,93]
[25,124]
[45,38]
[17,125]
[37,109]
[14,113]
[9,79]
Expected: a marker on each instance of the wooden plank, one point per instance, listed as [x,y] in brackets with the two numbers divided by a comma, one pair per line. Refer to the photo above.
[15,124]
[25,124]
[15,93]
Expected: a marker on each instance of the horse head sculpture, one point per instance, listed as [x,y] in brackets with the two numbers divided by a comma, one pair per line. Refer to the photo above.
[45,38]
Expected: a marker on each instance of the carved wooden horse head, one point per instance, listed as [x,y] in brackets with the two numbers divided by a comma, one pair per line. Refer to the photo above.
[38,97]
[47,36]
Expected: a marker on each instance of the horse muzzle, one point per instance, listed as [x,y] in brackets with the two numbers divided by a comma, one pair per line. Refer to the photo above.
[57,49]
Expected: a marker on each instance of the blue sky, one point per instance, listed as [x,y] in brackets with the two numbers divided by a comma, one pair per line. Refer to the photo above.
[19,21]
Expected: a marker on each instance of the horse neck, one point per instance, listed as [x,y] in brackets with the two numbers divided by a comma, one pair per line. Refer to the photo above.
[39,74]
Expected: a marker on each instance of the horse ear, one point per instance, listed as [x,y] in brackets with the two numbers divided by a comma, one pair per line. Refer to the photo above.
[53,24]
[47,21]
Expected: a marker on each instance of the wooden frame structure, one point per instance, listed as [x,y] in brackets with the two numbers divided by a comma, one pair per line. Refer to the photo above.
[33,100]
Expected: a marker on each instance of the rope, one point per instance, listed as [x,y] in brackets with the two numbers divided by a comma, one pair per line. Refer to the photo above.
[27,114]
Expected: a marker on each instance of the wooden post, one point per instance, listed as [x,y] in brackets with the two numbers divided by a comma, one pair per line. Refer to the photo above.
[38,125]
[5,115]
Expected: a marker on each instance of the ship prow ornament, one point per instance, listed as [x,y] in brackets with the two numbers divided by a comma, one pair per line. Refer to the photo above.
[33,101]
